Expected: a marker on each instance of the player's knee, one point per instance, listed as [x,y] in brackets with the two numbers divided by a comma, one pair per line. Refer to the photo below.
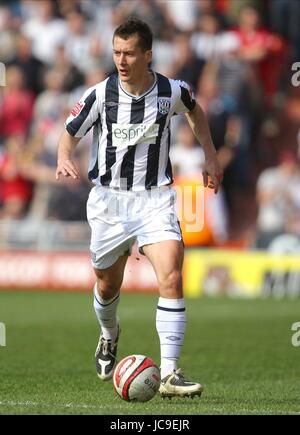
[106,289]
[172,281]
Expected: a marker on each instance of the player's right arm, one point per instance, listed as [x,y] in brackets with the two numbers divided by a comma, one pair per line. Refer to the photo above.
[81,120]
[65,165]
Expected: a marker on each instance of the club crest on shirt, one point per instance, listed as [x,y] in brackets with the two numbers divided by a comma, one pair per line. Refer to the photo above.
[164,105]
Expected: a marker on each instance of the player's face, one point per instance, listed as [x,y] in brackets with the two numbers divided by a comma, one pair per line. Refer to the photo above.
[131,61]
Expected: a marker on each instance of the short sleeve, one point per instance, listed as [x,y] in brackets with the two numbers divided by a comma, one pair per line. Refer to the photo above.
[185,101]
[83,115]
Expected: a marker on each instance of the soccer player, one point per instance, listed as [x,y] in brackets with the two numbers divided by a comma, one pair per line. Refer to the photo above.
[132,200]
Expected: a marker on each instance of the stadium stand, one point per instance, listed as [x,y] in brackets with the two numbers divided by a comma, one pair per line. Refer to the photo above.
[237,56]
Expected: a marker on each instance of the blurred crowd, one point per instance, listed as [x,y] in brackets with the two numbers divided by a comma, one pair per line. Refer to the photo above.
[236,54]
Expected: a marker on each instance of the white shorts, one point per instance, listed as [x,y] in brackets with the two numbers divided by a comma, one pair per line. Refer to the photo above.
[118,218]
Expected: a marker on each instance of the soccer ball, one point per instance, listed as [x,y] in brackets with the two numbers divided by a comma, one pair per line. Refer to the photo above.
[136,378]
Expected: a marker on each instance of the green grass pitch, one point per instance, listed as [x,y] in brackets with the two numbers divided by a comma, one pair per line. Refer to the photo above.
[240,350]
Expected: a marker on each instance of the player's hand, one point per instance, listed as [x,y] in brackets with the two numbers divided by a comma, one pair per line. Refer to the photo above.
[212,173]
[67,168]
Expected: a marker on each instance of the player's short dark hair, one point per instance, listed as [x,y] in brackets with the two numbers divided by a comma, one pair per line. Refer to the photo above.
[136,26]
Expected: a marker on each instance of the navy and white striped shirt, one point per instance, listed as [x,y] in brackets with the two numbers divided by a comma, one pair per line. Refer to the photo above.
[131,136]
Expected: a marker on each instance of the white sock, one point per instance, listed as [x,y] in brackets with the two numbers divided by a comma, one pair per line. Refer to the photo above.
[106,312]
[170,326]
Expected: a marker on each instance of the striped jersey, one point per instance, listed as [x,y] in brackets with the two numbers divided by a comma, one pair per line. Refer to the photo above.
[131,134]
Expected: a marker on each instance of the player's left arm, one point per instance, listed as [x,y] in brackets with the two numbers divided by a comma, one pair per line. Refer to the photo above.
[212,171]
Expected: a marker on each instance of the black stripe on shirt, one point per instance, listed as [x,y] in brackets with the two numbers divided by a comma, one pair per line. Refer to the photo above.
[127,167]
[74,126]
[111,110]
[186,99]
[169,172]
[93,173]
[164,90]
